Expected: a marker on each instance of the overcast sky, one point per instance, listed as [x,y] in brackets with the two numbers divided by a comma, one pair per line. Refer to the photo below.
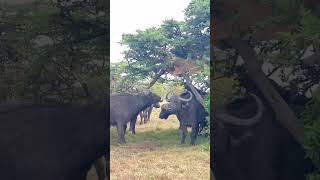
[127,16]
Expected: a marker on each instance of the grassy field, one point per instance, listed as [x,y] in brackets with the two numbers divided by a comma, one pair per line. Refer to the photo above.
[155,153]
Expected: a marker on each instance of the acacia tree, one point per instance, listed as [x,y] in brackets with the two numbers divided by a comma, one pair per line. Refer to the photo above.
[150,50]
[177,48]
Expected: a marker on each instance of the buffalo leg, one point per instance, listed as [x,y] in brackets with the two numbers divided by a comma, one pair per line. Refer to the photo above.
[121,132]
[125,128]
[183,133]
[141,116]
[194,134]
[100,169]
[149,113]
[133,129]
[133,126]
[145,116]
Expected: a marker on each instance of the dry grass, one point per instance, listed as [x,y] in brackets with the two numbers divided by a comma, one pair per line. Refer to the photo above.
[155,152]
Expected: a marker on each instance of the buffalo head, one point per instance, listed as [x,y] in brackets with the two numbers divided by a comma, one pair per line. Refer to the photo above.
[153,97]
[175,103]
[233,120]
[157,105]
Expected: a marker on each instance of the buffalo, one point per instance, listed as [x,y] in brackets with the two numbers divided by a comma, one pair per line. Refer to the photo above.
[52,142]
[145,114]
[144,117]
[100,167]
[189,112]
[126,107]
[249,144]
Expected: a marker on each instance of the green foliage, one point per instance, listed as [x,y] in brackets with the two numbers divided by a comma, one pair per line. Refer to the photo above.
[162,89]
[206,130]
[150,49]
[293,46]
[292,43]
[38,19]
[311,117]
[197,17]
[310,27]
[75,52]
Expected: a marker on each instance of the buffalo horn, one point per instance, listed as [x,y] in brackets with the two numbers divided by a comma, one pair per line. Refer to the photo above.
[186,100]
[227,118]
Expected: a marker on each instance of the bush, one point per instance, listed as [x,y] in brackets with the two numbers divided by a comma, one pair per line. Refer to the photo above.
[206,130]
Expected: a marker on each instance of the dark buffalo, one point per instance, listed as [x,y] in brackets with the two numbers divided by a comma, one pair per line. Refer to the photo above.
[250,145]
[144,117]
[52,142]
[145,114]
[126,107]
[100,166]
[189,112]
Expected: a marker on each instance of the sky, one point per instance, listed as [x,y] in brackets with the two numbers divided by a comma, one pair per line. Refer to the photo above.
[127,16]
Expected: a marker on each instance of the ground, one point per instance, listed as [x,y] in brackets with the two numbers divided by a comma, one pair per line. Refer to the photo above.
[155,153]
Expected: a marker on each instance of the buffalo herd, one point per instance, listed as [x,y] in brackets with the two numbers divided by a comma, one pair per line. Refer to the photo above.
[126,107]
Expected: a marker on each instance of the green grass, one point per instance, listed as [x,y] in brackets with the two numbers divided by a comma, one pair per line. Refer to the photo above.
[155,152]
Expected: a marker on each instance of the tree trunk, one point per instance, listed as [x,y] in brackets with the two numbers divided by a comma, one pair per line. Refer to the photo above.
[194,91]
[158,75]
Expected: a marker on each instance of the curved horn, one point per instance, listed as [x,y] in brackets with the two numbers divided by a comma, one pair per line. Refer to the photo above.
[225,117]
[187,100]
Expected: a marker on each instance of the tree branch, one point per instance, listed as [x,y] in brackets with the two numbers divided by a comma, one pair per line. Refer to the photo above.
[194,91]
[157,76]
[312,59]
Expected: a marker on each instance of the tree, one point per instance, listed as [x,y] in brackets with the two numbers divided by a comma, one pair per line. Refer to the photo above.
[177,48]
[152,51]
